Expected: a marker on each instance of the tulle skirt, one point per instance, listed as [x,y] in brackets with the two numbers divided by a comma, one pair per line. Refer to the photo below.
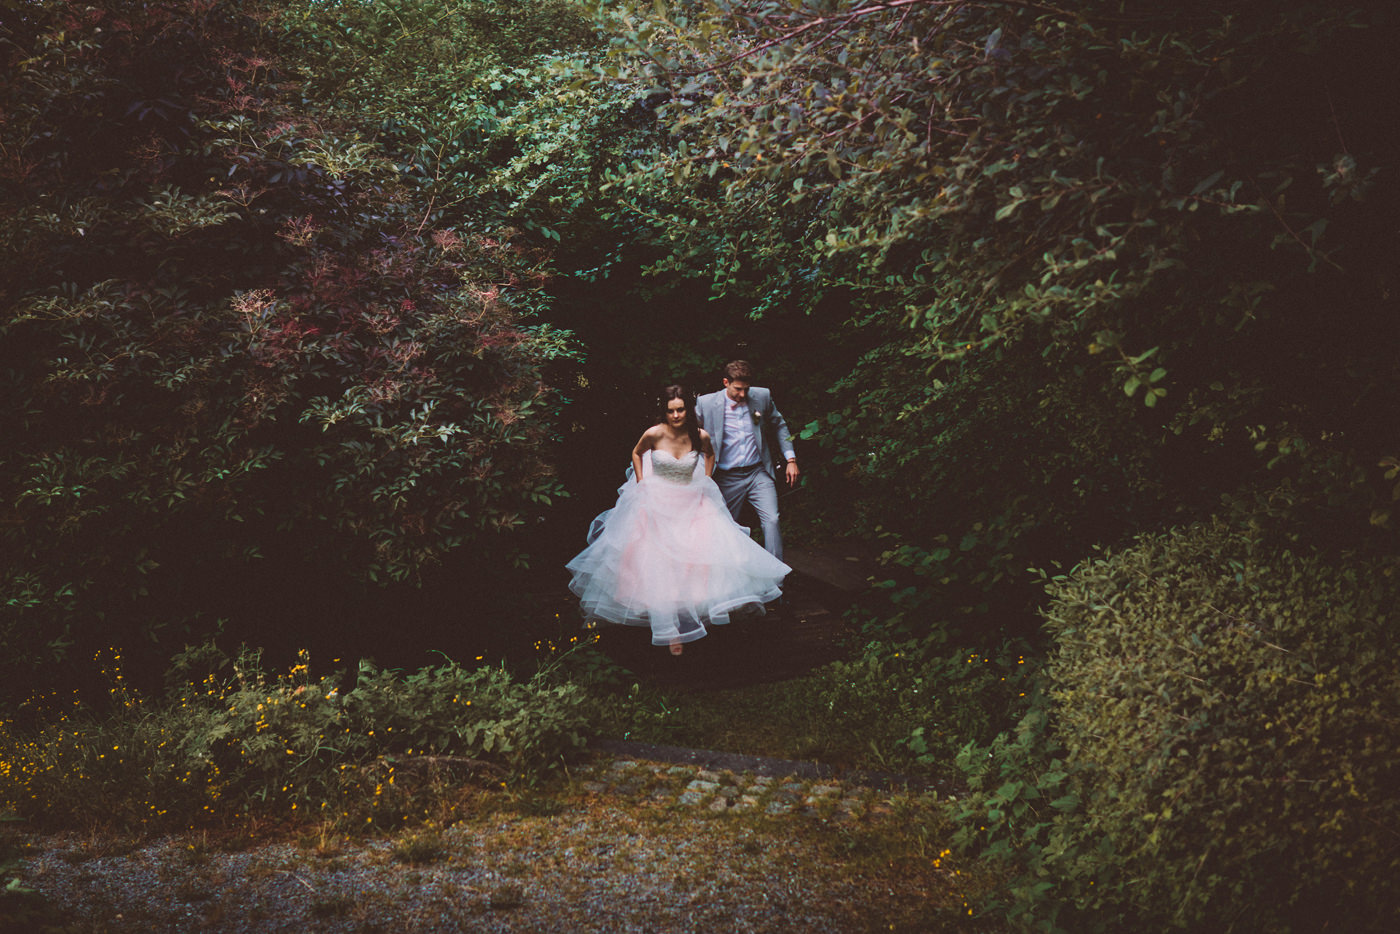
[670,557]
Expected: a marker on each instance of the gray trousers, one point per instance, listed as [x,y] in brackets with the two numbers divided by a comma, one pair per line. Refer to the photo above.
[754,485]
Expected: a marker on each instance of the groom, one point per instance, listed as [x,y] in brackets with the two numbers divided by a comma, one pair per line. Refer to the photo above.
[740,421]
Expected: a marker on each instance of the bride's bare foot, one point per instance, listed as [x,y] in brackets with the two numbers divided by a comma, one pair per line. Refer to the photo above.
[676,648]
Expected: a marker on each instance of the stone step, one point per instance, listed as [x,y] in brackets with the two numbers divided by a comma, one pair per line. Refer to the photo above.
[724,784]
[713,760]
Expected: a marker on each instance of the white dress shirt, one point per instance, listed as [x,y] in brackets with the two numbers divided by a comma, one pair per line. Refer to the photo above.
[740,448]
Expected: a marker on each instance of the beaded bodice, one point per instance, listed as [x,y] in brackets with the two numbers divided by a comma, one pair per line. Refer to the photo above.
[673,469]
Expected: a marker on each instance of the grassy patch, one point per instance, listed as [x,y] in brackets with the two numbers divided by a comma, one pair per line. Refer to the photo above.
[419,847]
[894,708]
[324,842]
[332,906]
[21,908]
[506,896]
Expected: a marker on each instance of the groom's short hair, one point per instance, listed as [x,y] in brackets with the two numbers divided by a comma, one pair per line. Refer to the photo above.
[738,369]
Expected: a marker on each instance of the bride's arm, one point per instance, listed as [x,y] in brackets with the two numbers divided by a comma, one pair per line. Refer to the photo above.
[708,450]
[647,442]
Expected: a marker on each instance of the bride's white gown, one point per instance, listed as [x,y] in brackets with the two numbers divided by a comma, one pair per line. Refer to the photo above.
[669,555]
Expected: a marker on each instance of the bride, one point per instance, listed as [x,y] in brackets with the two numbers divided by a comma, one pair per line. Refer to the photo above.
[668,555]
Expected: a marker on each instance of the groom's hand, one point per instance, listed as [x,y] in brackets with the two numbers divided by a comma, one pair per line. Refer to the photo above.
[792,473]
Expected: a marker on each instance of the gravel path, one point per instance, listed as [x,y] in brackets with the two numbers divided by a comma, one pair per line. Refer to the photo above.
[628,846]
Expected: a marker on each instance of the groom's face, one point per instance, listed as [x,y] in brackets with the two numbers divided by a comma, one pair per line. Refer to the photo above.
[737,390]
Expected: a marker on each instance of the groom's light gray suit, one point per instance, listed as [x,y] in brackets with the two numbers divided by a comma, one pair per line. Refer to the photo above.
[752,482]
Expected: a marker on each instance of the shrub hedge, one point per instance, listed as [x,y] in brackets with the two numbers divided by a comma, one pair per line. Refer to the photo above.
[1221,750]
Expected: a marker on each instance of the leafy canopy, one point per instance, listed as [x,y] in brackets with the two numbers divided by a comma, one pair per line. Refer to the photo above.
[1025,207]
[231,324]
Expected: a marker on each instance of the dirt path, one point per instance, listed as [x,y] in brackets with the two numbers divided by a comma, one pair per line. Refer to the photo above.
[622,845]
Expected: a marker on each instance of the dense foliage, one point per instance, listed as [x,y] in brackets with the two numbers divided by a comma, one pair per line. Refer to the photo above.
[471,98]
[1036,217]
[236,740]
[1223,754]
[490,106]
[232,330]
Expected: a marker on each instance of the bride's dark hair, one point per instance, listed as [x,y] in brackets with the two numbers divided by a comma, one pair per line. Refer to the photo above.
[692,425]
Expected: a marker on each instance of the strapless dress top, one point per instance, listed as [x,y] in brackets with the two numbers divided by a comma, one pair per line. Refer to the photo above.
[665,466]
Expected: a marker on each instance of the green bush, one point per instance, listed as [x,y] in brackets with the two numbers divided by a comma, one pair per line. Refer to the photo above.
[1226,713]
[920,701]
[232,334]
[242,742]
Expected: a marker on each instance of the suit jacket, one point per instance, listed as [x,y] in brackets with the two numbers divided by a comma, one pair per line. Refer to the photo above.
[774,439]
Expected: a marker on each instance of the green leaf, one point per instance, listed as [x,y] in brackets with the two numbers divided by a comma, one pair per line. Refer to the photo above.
[1206,182]
[1008,209]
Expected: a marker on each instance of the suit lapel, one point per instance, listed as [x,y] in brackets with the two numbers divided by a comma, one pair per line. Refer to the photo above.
[757,422]
[716,421]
